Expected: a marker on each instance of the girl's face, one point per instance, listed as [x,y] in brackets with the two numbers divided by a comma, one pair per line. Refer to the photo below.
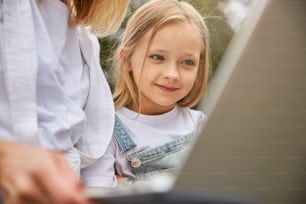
[170,66]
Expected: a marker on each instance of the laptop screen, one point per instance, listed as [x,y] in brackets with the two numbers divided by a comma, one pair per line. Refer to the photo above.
[254,142]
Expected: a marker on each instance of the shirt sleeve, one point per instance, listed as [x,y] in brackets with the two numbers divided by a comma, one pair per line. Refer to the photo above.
[102,172]
[17,54]
[202,121]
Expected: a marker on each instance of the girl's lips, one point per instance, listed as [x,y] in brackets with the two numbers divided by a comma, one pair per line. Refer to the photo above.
[167,88]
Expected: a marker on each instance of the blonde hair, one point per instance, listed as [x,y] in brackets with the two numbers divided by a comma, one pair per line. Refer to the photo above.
[103,16]
[150,17]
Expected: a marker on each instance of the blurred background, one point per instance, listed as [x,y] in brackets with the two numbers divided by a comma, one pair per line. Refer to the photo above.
[223,17]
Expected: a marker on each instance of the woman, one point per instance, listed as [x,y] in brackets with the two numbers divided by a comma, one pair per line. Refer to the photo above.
[53,95]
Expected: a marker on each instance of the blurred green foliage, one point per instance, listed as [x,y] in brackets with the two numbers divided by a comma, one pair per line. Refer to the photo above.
[219,31]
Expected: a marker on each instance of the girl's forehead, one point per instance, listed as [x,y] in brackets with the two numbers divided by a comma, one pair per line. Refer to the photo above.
[170,28]
[180,33]
[180,36]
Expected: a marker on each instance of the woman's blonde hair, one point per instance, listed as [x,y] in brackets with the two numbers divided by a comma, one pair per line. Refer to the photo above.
[150,17]
[103,16]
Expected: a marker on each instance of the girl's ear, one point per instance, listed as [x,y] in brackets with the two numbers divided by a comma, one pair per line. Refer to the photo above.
[125,60]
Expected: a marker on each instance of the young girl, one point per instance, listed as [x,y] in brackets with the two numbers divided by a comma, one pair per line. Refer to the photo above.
[53,94]
[161,71]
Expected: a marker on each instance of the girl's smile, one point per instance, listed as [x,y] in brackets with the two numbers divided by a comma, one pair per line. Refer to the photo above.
[166,88]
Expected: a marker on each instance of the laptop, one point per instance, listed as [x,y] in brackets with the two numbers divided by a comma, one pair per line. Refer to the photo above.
[253,147]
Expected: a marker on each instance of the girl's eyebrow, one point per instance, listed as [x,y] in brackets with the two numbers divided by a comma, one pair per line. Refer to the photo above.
[157,50]
[191,55]
[188,54]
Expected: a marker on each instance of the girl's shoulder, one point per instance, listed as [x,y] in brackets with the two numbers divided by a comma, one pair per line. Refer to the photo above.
[195,116]
[193,113]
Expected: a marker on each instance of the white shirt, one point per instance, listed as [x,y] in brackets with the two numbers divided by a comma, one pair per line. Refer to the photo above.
[52,90]
[147,131]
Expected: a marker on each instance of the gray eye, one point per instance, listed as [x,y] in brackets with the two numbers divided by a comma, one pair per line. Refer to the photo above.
[157,57]
[188,62]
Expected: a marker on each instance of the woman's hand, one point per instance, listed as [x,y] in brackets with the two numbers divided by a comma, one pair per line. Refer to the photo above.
[31,174]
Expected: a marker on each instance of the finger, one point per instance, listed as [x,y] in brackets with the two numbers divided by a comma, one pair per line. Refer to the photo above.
[66,171]
[24,190]
[62,186]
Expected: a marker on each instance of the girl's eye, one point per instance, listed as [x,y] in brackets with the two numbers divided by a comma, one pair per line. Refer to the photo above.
[188,62]
[157,57]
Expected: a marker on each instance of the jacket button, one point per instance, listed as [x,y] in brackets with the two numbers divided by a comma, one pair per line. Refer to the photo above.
[135,162]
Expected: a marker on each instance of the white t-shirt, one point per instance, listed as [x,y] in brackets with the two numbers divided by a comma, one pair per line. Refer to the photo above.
[52,90]
[147,131]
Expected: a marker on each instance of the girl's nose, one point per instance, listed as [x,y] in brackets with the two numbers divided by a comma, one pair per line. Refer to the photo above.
[171,71]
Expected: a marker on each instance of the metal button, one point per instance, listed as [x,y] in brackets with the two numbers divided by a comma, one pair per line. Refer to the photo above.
[135,162]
